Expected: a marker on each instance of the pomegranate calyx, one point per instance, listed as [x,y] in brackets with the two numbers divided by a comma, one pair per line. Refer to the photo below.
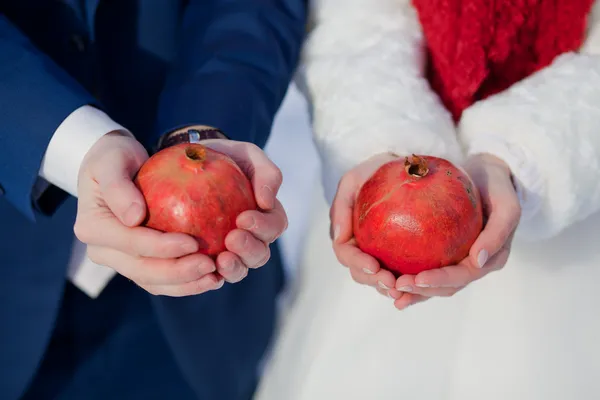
[416,167]
[195,153]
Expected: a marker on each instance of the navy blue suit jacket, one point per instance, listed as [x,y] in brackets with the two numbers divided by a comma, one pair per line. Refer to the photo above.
[153,66]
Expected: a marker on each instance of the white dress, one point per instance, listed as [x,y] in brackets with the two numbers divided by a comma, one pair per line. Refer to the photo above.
[528,332]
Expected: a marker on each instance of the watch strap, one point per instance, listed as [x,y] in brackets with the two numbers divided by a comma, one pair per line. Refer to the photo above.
[190,135]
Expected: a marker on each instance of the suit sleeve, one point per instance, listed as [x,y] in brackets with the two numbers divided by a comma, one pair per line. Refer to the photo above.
[36,96]
[234,66]
[547,129]
[364,76]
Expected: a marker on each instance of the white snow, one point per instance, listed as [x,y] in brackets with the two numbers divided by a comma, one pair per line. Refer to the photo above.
[291,148]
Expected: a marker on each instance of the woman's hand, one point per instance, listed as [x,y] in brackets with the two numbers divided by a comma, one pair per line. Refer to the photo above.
[364,268]
[491,249]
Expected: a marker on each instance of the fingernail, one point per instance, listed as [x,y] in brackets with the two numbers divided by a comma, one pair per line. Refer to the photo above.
[229,266]
[422,285]
[237,265]
[382,285]
[406,289]
[482,258]
[247,222]
[189,247]
[133,214]
[367,271]
[267,196]
[220,284]
[336,233]
[202,265]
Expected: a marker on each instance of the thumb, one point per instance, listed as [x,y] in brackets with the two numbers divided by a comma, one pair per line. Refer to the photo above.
[342,207]
[498,231]
[341,210]
[265,176]
[114,174]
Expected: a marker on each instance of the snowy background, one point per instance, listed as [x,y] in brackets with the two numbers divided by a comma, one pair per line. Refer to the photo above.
[291,148]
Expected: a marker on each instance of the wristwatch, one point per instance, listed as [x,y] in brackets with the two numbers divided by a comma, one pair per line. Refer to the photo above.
[194,134]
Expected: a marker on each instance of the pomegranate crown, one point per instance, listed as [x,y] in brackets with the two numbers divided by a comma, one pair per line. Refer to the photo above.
[416,166]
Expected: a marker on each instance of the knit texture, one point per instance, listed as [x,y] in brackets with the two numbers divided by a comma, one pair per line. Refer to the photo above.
[478,48]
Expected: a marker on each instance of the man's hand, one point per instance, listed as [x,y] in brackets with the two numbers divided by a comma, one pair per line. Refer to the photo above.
[248,246]
[110,210]
[491,249]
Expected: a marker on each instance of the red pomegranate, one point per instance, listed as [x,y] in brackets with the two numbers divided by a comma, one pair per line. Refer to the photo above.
[193,189]
[418,214]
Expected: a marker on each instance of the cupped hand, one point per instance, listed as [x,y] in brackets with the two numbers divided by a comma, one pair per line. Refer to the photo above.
[110,211]
[248,246]
[491,249]
[364,268]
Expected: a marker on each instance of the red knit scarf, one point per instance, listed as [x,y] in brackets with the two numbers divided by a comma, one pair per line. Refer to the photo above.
[481,47]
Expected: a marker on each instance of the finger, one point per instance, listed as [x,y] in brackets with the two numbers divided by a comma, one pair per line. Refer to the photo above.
[230,267]
[501,224]
[435,292]
[383,292]
[153,271]
[107,231]
[250,250]
[265,176]
[405,283]
[352,257]
[409,299]
[395,294]
[341,209]
[454,276]
[461,275]
[265,226]
[348,188]
[205,284]
[113,173]
[391,293]
[409,284]
[382,279]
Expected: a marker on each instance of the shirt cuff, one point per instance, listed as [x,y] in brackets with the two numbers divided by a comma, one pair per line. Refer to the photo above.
[89,277]
[70,143]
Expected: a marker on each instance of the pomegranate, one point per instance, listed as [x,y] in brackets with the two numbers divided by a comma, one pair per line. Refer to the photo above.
[190,188]
[418,214]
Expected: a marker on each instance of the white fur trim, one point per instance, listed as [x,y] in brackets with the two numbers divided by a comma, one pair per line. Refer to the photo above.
[547,128]
[363,75]
[528,182]
[592,43]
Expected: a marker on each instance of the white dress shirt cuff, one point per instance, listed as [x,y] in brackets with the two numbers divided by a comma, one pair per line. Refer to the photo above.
[89,277]
[71,142]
